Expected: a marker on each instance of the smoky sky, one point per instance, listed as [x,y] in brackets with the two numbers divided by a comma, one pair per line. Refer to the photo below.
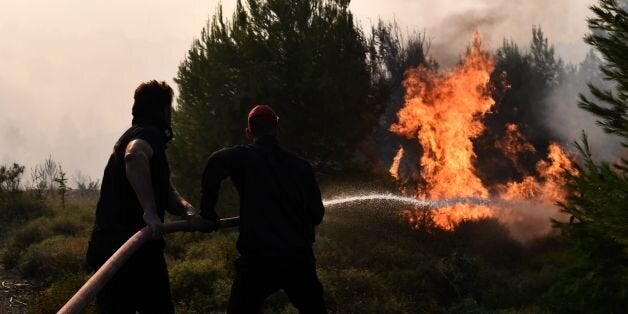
[563,22]
[68,68]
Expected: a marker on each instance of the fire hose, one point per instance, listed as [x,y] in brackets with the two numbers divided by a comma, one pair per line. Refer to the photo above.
[89,290]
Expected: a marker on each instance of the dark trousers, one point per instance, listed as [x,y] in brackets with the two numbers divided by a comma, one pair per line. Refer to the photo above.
[141,285]
[256,280]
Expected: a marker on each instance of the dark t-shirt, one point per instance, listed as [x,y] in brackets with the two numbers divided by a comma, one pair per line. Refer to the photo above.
[280,202]
[118,208]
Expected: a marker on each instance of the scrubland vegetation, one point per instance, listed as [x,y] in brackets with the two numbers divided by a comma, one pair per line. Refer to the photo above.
[370,259]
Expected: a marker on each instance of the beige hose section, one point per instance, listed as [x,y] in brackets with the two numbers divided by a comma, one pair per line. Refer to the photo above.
[89,290]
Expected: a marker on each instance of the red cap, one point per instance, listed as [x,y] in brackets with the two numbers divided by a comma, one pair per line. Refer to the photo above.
[264,114]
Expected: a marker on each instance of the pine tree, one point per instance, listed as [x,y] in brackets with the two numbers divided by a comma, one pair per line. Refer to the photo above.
[62,188]
[306,58]
[597,232]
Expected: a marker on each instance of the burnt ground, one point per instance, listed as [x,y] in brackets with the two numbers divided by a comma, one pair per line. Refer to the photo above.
[15,294]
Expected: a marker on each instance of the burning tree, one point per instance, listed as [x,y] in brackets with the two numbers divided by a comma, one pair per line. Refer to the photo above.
[445,113]
[442,112]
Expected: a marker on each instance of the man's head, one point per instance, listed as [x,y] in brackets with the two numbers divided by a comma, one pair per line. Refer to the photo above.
[153,103]
[262,121]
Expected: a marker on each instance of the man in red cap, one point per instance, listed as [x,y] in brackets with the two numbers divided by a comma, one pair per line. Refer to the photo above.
[280,204]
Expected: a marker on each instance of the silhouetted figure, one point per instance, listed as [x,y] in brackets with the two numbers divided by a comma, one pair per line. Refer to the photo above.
[280,204]
[135,192]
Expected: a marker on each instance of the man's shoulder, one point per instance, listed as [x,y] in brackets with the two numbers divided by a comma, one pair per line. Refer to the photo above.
[297,160]
[227,151]
[152,135]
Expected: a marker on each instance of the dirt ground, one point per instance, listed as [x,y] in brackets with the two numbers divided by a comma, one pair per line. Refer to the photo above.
[15,295]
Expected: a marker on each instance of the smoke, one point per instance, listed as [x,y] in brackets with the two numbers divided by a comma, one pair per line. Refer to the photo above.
[567,121]
[527,220]
[564,22]
[69,69]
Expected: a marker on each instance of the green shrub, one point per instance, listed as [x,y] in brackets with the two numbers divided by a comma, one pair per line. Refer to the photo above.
[35,231]
[21,238]
[53,298]
[21,206]
[488,239]
[53,258]
[361,291]
[200,270]
[199,285]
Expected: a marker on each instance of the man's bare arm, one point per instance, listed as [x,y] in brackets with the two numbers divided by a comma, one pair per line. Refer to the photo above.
[177,205]
[137,157]
[180,207]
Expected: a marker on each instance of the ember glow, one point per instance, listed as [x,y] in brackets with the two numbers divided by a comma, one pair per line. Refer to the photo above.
[444,113]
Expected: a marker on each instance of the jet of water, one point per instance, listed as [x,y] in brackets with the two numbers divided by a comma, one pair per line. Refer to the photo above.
[402,199]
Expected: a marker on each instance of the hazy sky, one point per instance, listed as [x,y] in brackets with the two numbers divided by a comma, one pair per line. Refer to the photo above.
[68,68]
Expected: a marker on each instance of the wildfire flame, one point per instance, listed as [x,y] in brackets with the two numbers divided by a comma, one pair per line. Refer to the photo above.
[514,144]
[444,113]
[394,168]
[550,187]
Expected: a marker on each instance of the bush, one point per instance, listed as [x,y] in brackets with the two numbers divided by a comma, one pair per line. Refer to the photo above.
[362,291]
[200,277]
[36,231]
[199,285]
[490,240]
[19,207]
[53,298]
[53,258]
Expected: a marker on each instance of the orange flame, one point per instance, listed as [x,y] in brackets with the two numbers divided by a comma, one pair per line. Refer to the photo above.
[394,168]
[550,186]
[514,144]
[444,112]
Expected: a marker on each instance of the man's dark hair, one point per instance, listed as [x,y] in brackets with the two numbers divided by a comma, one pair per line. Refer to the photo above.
[151,99]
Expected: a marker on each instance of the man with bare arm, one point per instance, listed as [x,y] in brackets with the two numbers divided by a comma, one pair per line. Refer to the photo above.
[136,191]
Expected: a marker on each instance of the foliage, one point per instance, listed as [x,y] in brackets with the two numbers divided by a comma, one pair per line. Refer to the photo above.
[44,260]
[597,231]
[37,230]
[369,260]
[62,188]
[43,176]
[610,38]
[85,185]
[305,58]
[59,292]
[48,247]
[10,178]
[200,270]
[389,53]
[523,81]
[543,60]
[17,208]
[308,60]
[598,235]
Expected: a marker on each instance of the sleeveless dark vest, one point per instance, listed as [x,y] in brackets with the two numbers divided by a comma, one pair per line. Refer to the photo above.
[118,208]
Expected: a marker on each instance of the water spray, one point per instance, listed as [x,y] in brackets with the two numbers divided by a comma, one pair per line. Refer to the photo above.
[404,199]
